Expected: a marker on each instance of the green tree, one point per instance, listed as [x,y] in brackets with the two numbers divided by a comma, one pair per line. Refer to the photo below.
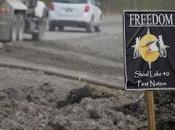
[46,1]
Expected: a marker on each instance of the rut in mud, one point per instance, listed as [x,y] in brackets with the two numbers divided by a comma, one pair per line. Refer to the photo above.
[60,61]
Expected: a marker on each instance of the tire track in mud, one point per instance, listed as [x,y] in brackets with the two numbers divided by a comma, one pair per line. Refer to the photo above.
[60,61]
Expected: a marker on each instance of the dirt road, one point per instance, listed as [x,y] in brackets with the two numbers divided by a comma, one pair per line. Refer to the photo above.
[107,43]
[98,54]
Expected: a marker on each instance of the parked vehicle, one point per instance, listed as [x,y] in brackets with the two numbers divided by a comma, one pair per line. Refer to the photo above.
[22,16]
[76,13]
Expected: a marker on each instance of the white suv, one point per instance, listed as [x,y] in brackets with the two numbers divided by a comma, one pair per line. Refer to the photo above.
[76,13]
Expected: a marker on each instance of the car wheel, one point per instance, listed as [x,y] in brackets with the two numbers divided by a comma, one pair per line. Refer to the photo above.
[90,26]
[97,29]
[39,35]
[51,27]
[61,28]
[41,29]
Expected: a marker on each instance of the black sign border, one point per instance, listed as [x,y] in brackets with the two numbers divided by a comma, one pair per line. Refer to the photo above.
[124,52]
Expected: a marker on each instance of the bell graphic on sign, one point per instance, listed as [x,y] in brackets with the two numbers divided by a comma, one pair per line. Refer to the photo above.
[150,48]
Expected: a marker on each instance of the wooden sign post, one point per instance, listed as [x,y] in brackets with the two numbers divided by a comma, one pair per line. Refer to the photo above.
[149,54]
[149,96]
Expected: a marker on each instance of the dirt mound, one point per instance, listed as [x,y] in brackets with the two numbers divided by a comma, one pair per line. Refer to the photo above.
[7,106]
[165,110]
[87,108]
[94,114]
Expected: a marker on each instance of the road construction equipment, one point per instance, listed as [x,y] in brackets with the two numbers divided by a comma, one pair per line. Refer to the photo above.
[18,17]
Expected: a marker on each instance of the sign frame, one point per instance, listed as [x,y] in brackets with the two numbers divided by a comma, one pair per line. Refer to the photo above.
[125,50]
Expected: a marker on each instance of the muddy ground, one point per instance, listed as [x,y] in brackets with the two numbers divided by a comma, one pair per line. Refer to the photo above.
[52,103]
[36,101]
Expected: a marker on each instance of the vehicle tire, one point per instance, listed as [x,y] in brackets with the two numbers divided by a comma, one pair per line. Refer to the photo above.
[61,28]
[20,26]
[41,29]
[39,35]
[35,36]
[13,33]
[90,26]
[51,27]
[97,29]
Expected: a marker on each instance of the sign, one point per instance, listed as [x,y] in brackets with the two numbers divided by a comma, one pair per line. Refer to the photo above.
[149,50]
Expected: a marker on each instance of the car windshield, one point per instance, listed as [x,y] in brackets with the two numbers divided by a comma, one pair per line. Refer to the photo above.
[71,1]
